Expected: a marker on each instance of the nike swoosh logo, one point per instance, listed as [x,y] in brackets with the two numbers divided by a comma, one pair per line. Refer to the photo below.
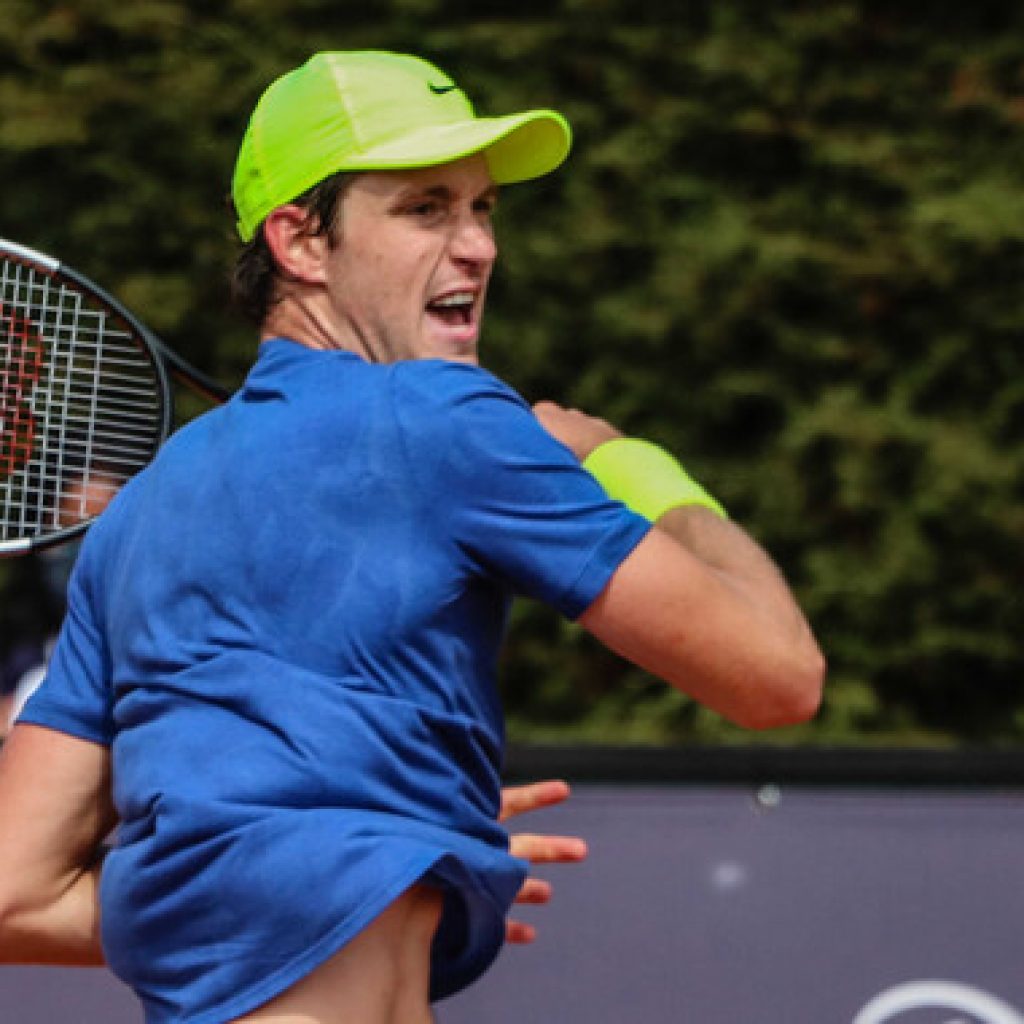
[440,90]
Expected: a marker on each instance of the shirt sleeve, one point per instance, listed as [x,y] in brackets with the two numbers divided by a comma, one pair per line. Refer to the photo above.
[515,501]
[75,696]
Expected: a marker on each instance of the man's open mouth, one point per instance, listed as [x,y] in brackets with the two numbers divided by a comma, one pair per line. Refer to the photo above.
[455,309]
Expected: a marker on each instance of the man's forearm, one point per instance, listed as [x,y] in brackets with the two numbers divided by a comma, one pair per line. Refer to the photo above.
[740,563]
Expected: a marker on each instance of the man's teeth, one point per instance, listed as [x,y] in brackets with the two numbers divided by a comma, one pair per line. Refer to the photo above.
[455,299]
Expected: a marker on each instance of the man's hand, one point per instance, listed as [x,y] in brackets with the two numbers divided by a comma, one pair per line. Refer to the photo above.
[537,849]
[576,430]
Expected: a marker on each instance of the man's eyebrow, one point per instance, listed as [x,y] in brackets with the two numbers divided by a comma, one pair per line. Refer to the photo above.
[425,192]
[443,192]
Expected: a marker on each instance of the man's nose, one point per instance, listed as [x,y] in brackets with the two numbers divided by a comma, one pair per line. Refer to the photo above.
[474,241]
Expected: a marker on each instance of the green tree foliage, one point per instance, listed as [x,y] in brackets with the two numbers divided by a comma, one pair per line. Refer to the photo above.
[789,245]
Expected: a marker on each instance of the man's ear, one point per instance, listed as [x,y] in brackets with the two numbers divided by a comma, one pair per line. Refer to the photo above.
[298,251]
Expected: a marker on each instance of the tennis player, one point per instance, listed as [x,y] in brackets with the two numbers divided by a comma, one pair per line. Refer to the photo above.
[277,667]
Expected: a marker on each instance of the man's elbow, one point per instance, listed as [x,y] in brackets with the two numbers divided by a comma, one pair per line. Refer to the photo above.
[22,911]
[10,930]
[793,696]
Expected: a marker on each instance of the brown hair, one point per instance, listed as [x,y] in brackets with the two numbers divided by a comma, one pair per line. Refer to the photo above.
[254,276]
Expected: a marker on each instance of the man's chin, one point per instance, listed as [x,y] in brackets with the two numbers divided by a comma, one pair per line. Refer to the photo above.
[457,345]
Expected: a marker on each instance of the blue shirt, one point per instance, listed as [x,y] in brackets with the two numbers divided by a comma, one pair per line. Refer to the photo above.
[287,629]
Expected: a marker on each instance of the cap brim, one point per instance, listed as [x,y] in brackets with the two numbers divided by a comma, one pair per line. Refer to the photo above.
[517,147]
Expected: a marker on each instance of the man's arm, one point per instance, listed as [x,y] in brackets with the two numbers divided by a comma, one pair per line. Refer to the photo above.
[699,604]
[55,812]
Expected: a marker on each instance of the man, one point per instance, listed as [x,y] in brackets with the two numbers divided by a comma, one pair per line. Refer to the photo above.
[282,637]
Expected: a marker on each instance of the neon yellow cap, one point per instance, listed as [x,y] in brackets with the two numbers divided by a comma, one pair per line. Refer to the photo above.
[372,110]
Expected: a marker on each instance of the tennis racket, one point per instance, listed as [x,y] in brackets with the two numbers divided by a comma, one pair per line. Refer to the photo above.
[85,399]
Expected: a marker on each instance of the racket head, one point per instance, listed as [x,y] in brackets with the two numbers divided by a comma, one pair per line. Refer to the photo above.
[84,399]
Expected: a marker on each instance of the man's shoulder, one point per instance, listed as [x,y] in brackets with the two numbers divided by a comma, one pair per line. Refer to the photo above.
[457,417]
[436,383]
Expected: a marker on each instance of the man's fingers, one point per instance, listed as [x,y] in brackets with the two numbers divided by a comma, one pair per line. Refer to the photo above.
[522,799]
[519,933]
[542,849]
[577,430]
[535,891]
[537,849]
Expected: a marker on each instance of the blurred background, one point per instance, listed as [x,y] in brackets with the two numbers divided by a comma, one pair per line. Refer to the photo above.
[788,245]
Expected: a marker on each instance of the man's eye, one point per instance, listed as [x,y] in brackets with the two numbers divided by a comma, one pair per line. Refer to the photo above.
[425,209]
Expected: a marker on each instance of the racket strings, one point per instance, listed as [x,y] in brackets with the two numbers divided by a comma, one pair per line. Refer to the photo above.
[81,405]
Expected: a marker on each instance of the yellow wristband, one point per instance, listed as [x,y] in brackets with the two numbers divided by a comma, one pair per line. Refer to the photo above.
[646,478]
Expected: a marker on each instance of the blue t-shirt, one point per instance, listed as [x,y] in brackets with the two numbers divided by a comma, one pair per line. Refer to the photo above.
[287,630]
